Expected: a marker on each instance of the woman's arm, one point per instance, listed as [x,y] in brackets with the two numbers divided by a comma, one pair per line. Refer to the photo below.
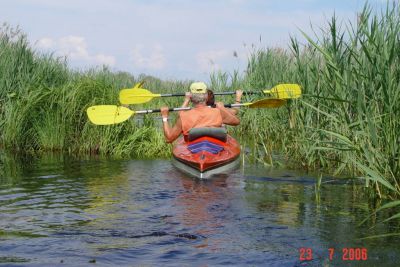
[235,110]
[227,117]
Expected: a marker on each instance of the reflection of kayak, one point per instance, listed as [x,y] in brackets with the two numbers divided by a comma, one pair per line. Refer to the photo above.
[209,151]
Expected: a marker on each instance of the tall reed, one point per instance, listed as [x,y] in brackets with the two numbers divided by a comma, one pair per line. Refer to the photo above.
[43,104]
[348,118]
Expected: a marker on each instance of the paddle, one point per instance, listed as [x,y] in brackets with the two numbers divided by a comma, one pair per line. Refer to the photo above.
[112,114]
[139,95]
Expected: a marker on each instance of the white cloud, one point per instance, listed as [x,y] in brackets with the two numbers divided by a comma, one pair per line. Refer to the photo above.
[75,48]
[104,59]
[155,59]
[45,43]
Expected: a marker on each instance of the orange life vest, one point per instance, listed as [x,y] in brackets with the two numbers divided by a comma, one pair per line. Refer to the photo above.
[200,117]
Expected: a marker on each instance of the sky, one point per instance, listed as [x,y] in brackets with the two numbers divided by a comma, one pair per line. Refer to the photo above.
[174,39]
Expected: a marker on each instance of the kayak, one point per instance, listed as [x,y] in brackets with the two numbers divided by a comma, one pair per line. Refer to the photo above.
[206,155]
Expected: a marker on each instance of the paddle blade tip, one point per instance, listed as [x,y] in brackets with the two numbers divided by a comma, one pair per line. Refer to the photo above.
[285,91]
[108,114]
[268,103]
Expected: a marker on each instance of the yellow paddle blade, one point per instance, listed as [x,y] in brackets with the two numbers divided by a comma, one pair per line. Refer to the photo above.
[136,96]
[285,91]
[266,103]
[108,114]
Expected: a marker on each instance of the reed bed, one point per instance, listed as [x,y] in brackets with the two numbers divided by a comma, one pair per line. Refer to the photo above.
[43,104]
[348,118]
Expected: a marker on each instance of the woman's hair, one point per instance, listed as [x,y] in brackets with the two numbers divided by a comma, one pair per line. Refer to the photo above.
[210,98]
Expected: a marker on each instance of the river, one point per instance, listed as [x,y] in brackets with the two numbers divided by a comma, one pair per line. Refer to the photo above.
[58,210]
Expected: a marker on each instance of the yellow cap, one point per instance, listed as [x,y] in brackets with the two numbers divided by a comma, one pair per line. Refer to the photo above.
[198,88]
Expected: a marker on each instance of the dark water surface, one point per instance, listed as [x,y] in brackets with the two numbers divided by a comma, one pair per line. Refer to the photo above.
[98,212]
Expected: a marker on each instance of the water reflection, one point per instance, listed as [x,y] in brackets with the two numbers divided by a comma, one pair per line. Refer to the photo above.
[108,195]
[199,203]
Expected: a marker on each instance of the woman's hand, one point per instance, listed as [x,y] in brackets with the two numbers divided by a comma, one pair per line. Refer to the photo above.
[164,112]
[239,94]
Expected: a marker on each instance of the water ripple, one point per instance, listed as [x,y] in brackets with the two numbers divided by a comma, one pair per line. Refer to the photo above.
[145,212]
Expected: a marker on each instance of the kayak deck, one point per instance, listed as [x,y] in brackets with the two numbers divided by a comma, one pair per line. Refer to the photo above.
[206,156]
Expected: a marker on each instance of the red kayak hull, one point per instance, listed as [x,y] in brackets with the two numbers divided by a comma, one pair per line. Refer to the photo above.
[206,156]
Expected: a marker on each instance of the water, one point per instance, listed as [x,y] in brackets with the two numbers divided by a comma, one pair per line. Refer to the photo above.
[69,212]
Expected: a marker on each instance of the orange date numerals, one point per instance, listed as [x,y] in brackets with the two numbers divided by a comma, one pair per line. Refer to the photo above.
[305,254]
[331,253]
[351,254]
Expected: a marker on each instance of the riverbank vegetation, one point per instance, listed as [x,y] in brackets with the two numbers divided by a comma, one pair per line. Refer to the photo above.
[43,104]
[347,119]
[349,116]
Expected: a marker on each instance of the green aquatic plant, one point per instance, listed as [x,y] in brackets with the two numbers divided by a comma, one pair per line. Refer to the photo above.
[348,117]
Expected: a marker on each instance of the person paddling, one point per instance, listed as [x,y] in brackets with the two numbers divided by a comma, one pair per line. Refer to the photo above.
[210,98]
[211,101]
[199,116]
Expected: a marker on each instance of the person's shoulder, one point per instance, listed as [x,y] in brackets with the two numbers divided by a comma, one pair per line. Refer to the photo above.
[182,112]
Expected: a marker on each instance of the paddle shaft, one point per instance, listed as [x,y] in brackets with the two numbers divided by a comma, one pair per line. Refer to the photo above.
[216,93]
[159,110]
[186,108]
[232,93]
